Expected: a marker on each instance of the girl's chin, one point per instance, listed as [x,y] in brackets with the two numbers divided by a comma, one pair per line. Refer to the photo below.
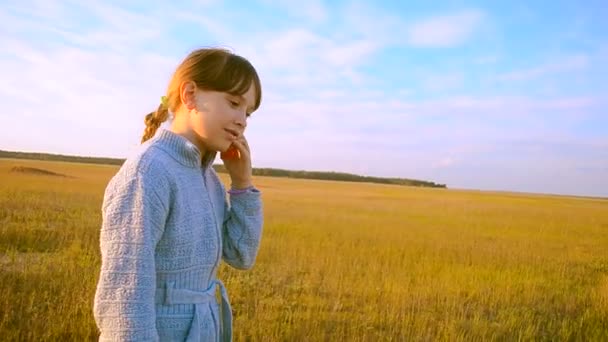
[227,146]
[220,146]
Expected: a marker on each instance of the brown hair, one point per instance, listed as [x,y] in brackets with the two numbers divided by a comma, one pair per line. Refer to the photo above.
[210,69]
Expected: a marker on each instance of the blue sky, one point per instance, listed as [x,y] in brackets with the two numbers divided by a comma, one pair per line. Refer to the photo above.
[504,96]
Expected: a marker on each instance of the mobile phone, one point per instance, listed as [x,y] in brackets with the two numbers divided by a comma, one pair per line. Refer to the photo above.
[231,153]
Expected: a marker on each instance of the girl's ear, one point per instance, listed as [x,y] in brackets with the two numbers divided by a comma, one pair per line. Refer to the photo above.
[187,92]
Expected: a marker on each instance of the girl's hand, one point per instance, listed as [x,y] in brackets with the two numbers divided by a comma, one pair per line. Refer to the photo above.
[238,164]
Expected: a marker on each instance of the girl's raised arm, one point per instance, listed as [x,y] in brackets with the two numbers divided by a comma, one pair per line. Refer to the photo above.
[242,229]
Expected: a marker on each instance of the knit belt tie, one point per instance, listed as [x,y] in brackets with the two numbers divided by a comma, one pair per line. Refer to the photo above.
[171,295]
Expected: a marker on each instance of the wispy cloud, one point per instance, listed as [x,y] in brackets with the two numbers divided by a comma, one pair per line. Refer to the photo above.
[571,63]
[301,48]
[443,81]
[313,10]
[509,104]
[445,30]
[342,90]
[444,162]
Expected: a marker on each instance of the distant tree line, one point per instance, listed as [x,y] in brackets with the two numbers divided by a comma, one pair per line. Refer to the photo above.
[320,175]
[337,176]
[60,157]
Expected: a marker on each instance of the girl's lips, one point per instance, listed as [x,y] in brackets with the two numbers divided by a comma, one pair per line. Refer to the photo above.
[233,133]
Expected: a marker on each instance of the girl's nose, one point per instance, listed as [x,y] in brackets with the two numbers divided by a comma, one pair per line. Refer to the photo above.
[241,121]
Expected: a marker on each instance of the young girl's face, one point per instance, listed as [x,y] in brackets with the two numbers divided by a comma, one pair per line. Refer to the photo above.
[220,118]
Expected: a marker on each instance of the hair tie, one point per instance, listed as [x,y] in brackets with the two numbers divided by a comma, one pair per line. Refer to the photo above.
[164,102]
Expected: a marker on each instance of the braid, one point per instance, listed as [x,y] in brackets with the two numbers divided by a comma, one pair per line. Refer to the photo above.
[153,120]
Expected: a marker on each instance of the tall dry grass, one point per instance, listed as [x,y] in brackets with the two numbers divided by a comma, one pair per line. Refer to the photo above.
[338,262]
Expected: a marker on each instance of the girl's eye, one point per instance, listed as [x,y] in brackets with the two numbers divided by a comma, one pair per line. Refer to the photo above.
[234,103]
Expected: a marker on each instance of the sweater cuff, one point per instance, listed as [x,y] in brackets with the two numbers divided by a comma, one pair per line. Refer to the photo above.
[242,191]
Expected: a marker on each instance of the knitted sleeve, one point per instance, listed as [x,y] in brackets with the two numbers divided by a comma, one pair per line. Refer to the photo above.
[242,229]
[134,212]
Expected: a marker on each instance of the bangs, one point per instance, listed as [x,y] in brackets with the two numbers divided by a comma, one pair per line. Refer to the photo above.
[218,70]
[237,76]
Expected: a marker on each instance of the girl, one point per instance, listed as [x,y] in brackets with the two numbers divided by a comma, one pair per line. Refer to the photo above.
[166,221]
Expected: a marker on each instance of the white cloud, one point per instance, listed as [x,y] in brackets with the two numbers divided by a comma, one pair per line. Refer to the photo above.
[512,106]
[444,162]
[93,85]
[445,30]
[350,53]
[301,48]
[312,10]
[443,81]
[570,63]
[372,23]
[389,29]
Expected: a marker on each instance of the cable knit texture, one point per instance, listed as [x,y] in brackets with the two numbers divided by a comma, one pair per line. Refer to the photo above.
[167,223]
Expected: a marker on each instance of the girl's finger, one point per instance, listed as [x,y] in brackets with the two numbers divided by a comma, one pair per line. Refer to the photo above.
[243,142]
[241,147]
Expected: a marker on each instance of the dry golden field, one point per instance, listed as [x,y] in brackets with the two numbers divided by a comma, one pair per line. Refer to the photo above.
[338,262]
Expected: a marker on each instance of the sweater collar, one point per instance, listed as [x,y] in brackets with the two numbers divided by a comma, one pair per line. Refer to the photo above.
[182,150]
